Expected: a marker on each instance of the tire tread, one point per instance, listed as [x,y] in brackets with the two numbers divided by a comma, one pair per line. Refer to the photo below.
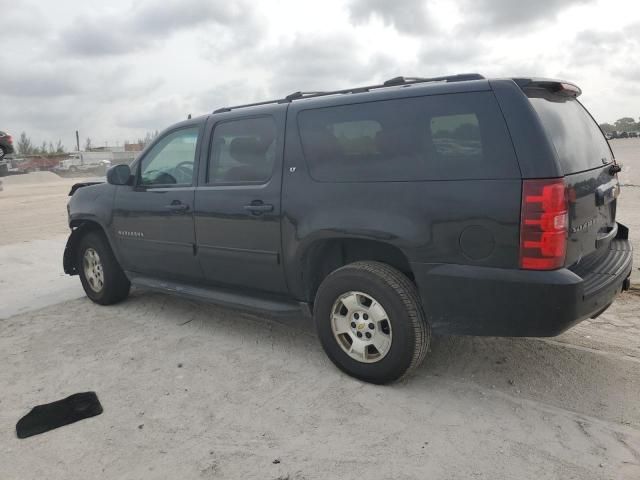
[408,293]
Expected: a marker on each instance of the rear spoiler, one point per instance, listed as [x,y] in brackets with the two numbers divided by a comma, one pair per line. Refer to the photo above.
[558,87]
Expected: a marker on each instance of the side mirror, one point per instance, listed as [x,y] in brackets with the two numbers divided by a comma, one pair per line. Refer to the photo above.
[119,175]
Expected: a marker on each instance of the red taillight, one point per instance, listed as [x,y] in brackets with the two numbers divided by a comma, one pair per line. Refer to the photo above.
[10,139]
[543,224]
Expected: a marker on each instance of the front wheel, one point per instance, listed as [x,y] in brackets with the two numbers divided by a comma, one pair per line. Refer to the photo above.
[103,280]
[371,323]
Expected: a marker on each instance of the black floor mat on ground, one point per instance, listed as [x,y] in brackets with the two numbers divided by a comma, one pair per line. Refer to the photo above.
[57,414]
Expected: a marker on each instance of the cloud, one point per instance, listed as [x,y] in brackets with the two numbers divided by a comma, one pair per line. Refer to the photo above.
[323,62]
[630,73]
[152,23]
[24,20]
[36,82]
[90,38]
[510,14]
[418,17]
[409,16]
[437,56]
[154,114]
[595,46]
[166,17]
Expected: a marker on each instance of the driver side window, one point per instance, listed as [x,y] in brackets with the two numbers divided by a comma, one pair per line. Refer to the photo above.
[171,160]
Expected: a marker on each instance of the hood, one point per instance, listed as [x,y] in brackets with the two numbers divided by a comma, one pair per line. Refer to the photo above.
[86,183]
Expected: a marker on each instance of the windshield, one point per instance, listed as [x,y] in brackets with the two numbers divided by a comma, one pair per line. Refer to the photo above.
[577,138]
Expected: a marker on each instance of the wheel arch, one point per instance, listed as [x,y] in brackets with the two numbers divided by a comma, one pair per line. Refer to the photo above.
[79,228]
[323,256]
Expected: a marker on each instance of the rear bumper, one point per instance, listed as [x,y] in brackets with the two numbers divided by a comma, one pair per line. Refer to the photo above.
[473,300]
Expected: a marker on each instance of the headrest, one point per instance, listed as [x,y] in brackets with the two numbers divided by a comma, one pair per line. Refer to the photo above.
[246,150]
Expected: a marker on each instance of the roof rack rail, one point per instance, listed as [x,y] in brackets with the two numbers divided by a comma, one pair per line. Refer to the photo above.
[461,77]
[297,95]
[396,81]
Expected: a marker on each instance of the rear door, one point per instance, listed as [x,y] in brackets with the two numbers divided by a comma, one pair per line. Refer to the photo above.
[237,202]
[586,161]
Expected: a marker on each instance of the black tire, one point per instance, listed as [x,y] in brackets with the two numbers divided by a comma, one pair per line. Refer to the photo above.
[116,285]
[398,296]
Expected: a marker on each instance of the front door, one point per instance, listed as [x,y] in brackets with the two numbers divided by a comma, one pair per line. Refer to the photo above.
[153,220]
[237,216]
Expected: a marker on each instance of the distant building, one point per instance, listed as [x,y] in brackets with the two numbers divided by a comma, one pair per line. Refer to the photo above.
[133,147]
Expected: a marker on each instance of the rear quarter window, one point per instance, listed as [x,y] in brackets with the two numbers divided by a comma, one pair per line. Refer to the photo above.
[442,137]
[577,138]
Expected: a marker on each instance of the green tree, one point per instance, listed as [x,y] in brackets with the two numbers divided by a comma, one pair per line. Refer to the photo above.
[625,124]
[25,147]
[607,127]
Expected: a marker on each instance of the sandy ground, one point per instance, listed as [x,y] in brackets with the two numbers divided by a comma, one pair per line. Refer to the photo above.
[197,391]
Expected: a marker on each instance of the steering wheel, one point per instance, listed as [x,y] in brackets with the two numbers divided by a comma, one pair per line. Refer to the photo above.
[184,171]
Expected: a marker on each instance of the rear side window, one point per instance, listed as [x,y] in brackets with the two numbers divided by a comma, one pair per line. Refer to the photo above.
[454,136]
[242,151]
[577,138]
[457,137]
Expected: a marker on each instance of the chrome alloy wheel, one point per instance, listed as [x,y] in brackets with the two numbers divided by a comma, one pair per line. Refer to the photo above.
[93,270]
[361,327]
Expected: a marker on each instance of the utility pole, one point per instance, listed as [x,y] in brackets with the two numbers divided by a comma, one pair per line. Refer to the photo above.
[77,141]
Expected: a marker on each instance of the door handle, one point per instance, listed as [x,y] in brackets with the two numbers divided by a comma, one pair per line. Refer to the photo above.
[177,207]
[257,207]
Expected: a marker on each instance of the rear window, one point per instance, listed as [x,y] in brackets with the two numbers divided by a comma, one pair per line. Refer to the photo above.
[454,136]
[577,138]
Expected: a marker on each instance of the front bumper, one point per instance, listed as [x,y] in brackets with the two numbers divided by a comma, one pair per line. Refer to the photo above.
[474,300]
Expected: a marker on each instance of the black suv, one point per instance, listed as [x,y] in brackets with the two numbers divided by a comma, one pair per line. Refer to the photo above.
[457,205]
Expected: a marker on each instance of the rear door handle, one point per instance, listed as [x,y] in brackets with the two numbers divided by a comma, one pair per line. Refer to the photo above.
[177,207]
[257,207]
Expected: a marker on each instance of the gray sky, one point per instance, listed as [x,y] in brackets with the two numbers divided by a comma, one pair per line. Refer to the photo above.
[117,69]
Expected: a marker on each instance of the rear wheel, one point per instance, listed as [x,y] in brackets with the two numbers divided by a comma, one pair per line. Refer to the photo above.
[103,280]
[370,322]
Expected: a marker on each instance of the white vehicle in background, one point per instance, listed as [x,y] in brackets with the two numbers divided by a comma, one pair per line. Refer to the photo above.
[84,161]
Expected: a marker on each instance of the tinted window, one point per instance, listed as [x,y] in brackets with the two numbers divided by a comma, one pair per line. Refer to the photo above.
[457,136]
[576,136]
[242,151]
[171,159]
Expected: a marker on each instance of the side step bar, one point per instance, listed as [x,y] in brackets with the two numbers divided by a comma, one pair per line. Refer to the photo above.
[220,296]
